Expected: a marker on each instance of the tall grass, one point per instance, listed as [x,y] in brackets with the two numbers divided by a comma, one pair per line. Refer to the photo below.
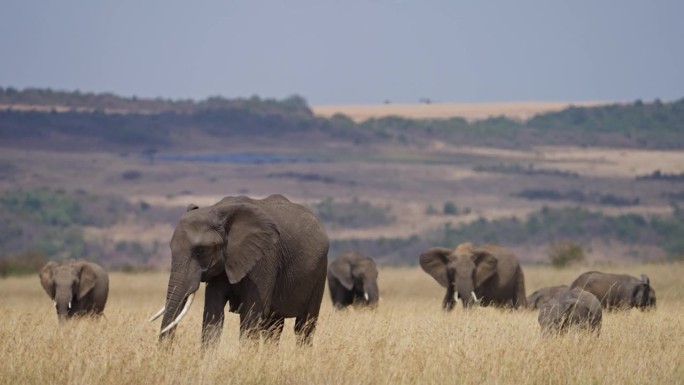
[407,340]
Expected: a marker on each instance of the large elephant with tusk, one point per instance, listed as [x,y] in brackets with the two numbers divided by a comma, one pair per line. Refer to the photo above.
[488,275]
[266,258]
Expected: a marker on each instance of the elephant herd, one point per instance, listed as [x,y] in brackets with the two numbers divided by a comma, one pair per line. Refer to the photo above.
[268,260]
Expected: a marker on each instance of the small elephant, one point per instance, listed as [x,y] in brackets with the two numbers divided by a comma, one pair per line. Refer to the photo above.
[265,258]
[537,299]
[618,291]
[76,287]
[572,307]
[353,279]
[489,275]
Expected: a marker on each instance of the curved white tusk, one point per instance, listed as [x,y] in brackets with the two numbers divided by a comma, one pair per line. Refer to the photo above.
[69,304]
[365,295]
[456,297]
[474,296]
[157,314]
[175,322]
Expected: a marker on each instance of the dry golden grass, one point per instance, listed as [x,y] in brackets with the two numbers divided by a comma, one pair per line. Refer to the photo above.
[470,111]
[407,340]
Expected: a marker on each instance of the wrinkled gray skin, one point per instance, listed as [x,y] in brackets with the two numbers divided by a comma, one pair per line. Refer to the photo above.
[353,279]
[491,272]
[537,299]
[76,287]
[266,258]
[618,291]
[571,308]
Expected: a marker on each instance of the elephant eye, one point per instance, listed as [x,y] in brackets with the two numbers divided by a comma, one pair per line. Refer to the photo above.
[198,251]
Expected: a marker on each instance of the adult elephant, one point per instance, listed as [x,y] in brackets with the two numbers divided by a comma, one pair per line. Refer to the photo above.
[490,275]
[571,307]
[537,299]
[353,279]
[76,287]
[266,258]
[618,291]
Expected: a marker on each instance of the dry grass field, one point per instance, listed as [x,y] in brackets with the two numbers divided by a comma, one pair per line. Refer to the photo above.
[469,111]
[407,340]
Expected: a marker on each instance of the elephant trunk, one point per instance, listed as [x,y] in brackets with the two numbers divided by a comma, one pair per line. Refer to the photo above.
[183,283]
[370,288]
[63,302]
[466,294]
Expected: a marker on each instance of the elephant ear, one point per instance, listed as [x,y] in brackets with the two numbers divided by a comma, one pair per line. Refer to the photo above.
[364,268]
[485,266]
[46,278]
[434,262]
[86,279]
[341,269]
[252,234]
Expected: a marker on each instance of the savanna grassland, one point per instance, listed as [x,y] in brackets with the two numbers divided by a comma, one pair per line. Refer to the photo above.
[107,178]
[406,340]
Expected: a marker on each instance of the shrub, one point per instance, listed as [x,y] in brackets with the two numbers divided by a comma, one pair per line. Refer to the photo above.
[450,208]
[131,175]
[565,253]
[355,213]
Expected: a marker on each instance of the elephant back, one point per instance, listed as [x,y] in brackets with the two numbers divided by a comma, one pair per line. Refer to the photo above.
[508,267]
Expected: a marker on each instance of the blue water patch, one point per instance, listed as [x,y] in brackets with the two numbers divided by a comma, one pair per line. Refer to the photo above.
[240,158]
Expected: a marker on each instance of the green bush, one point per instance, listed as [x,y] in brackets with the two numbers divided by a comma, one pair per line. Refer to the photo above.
[50,207]
[450,208]
[355,213]
[565,253]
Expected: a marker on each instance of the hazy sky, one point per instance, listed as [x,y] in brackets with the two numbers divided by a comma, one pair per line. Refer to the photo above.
[348,51]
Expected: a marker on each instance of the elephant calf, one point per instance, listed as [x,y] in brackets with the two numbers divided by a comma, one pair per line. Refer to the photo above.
[76,287]
[353,279]
[618,291]
[573,307]
[539,297]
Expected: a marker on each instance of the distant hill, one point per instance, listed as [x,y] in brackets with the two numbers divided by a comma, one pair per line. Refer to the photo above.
[30,116]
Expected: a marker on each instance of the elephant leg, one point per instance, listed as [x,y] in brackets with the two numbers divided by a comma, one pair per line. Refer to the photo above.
[449,301]
[250,322]
[272,328]
[305,325]
[341,297]
[215,300]
[304,329]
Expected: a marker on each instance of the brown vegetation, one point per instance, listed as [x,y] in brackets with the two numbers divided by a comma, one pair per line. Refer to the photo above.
[407,340]
[470,111]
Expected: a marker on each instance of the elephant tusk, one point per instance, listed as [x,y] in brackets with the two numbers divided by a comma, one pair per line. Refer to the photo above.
[175,322]
[157,314]
[474,296]
[365,295]
[69,304]
[54,303]
[456,297]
